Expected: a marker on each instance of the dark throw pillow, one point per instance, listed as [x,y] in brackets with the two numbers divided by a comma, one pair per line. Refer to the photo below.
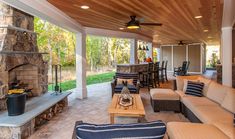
[195,88]
[151,130]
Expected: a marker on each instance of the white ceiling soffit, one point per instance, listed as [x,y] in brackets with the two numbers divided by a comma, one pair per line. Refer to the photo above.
[118,34]
[228,13]
[46,11]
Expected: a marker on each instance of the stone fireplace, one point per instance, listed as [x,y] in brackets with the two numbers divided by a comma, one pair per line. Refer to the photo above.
[20,59]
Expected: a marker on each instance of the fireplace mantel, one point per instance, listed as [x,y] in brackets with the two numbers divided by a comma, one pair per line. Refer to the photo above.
[17,28]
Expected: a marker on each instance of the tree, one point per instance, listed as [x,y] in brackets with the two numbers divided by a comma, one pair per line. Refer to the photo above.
[58,42]
[213,61]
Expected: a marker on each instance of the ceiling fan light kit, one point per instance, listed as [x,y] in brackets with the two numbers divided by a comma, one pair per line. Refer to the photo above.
[135,24]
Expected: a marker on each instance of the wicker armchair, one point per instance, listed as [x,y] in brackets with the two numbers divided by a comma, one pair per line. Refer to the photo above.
[133,88]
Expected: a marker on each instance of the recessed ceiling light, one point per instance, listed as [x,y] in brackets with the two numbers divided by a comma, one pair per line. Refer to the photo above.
[121,28]
[85,7]
[205,30]
[197,17]
[209,37]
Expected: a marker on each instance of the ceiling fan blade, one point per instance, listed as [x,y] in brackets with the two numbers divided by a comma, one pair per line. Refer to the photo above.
[151,24]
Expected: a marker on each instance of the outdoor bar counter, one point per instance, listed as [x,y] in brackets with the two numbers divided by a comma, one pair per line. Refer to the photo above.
[132,68]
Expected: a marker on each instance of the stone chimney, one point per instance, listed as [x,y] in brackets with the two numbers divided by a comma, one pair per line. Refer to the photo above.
[20,59]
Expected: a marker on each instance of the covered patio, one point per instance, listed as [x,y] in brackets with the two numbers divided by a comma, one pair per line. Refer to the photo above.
[179,30]
[94,110]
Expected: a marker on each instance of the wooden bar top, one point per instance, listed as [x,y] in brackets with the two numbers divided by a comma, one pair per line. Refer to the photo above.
[132,68]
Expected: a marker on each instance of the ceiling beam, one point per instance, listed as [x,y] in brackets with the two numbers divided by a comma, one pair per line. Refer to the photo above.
[228,13]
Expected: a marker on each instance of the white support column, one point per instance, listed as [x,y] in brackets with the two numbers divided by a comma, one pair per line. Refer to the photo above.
[150,51]
[159,54]
[172,58]
[201,58]
[227,56]
[186,52]
[133,51]
[81,65]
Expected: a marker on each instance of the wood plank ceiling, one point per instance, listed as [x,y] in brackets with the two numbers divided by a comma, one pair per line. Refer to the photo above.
[177,17]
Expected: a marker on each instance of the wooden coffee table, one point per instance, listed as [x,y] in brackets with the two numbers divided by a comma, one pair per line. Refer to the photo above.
[135,110]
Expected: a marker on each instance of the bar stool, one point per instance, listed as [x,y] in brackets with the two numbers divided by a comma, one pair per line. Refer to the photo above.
[161,71]
[165,71]
[149,76]
[141,76]
[156,74]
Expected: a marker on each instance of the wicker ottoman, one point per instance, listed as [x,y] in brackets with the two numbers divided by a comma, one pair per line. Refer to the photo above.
[165,100]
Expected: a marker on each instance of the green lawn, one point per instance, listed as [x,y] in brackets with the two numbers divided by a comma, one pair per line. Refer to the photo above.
[91,79]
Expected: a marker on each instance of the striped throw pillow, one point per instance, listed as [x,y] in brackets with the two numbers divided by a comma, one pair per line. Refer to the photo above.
[195,88]
[151,130]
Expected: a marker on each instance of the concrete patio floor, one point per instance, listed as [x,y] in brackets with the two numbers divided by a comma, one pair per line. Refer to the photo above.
[94,110]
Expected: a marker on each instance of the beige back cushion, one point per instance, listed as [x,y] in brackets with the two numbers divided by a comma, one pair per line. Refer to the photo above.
[216,92]
[206,84]
[120,81]
[229,100]
[180,81]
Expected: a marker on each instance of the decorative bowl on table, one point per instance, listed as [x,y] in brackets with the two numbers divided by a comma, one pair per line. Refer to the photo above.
[125,97]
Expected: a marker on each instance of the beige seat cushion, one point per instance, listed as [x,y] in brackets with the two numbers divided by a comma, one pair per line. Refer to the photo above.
[180,80]
[229,100]
[163,94]
[182,94]
[182,130]
[192,102]
[227,128]
[216,92]
[211,114]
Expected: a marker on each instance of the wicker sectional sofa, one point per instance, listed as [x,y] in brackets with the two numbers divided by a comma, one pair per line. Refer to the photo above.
[214,111]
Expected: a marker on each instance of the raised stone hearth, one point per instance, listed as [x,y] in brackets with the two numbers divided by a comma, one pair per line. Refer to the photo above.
[20,59]
[38,111]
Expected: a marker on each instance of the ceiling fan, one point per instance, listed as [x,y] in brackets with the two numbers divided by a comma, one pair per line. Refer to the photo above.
[181,43]
[135,24]
[185,42]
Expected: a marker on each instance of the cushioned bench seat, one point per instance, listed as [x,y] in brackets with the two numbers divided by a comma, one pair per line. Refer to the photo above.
[227,128]
[216,107]
[150,130]
[191,102]
[163,94]
[183,130]
[132,88]
[164,100]
[210,114]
